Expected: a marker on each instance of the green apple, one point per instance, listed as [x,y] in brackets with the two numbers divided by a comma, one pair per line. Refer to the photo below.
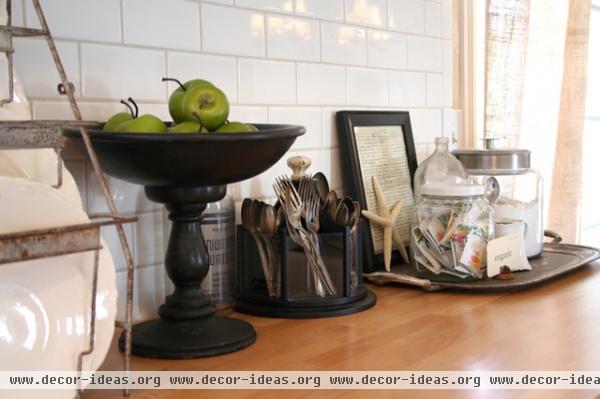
[252,127]
[175,108]
[116,120]
[188,127]
[205,104]
[144,124]
[235,127]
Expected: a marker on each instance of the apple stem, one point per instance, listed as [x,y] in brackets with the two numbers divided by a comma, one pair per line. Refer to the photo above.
[129,107]
[175,80]
[137,110]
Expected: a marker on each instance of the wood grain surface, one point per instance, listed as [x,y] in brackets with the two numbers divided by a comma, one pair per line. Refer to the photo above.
[553,326]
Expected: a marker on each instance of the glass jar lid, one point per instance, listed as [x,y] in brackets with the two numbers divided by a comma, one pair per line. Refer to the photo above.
[451,190]
[494,161]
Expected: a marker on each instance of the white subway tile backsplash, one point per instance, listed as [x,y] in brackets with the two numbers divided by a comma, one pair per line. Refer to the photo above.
[367,86]
[36,70]
[424,53]
[93,111]
[149,239]
[249,114]
[328,162]
[446,19]
[113,243]
[17,13]
[407,16]
[330,9]
[232,31]
[269,5]
[220,71]
[343,44]
[162,23]
[330,134]
[309,117]
[368,12]
[267,82]
[426,124]
[121,72]
[262,185]
[149,292]
[128,197]
[433,19]
[321,84]
[408,89]
[450,123]
[434,90]
[386,49]
[79,19]
[293,38]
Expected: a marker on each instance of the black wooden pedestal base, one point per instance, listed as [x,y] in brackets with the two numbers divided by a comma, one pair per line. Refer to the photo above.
[188,327]
[189,339]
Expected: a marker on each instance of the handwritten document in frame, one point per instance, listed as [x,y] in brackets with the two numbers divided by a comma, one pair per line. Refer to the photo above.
[383,154]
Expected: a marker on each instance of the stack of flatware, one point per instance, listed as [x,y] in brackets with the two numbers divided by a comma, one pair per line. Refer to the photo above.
[306,206]
[260,220]
[303,205]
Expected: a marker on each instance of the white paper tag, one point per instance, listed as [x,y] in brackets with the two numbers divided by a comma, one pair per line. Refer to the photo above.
[506,251]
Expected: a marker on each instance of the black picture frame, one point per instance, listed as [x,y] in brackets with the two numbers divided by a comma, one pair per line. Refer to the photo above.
[351,166]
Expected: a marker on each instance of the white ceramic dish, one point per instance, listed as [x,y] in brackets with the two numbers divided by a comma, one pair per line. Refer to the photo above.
[41,165]
[45,303]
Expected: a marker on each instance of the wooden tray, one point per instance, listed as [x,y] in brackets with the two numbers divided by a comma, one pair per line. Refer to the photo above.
[556,259]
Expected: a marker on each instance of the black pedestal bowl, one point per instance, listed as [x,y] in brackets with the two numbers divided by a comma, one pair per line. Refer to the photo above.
[185,172]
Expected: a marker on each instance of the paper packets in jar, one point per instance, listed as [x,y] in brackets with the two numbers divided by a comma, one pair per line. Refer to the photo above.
[452,240]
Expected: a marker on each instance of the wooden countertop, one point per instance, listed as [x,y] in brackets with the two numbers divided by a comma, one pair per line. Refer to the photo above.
[554,326]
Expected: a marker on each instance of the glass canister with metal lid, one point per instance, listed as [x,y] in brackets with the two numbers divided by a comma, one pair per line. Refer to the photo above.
[512,188]
[451,227]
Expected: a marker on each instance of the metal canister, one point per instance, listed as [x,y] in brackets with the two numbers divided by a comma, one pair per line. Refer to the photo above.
[519,191]
[218,228]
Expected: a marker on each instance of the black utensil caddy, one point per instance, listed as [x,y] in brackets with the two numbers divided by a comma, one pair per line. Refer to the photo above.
[297,298]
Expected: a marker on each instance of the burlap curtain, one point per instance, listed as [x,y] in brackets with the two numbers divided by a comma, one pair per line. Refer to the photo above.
[536,74]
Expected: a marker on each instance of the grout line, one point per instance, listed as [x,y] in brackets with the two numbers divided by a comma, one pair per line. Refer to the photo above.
[266,35]
[345,85]
[427,89]
[98,101]
[122,23]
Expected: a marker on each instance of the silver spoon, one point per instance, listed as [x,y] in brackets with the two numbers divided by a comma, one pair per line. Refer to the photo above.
[492,190]
[322,186]
[268,226]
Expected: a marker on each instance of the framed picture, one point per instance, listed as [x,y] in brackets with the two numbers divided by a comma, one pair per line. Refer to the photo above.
[380,144]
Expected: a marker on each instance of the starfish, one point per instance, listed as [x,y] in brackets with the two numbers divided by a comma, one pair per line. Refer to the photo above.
[387,220]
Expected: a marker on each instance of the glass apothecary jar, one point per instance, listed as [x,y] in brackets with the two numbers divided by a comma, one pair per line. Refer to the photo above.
[451,227]
[440,167]
[513,189]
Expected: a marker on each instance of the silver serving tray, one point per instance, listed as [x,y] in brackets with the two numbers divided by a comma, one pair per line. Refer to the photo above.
[555,260]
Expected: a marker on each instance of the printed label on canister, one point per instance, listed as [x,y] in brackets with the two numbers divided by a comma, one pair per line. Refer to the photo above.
[219,235]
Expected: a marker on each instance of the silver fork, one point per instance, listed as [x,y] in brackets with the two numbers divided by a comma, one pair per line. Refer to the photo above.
[304,190]
[312,207]
[293,209]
